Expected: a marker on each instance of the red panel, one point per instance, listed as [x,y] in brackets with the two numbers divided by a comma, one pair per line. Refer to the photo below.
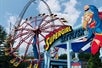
[100,15]
[76,64]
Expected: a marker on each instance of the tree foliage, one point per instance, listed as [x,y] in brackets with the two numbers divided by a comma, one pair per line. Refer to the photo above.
[4,60]
[93,60]
[2,34]
[63,56]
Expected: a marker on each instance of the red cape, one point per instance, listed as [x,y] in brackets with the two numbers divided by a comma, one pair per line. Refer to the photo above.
[100,15]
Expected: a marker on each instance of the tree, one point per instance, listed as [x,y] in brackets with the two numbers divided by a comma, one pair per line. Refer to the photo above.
[63,56]
[4,60]
[84,56]
[93,60]
[2,38]
[2,34]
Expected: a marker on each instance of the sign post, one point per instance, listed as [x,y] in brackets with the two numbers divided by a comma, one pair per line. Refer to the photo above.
[68,55]
[47,59]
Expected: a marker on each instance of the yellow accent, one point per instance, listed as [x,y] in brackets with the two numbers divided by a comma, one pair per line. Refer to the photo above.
[47,44]
[6,53]
[16,64]
[36,66]
[56,56]
[6,49]
[30,66]
[12,61]
[49,40]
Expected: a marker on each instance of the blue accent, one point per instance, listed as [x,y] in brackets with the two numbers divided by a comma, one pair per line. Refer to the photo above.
[76,46]
[62,46]
[35,51]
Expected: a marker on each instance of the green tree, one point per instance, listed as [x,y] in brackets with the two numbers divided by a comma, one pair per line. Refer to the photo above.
[2,38]
[4,60]
[93,60]
[63,56]
[2,34]
[84,56]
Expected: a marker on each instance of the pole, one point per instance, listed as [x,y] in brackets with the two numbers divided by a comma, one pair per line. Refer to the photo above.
[68,55]
[47,59]
[100,56]
[35,51]
[76,56]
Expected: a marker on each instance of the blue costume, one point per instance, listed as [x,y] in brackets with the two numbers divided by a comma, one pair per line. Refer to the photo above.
[94,27]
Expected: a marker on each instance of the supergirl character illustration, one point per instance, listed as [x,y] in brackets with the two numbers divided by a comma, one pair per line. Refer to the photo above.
[92,22]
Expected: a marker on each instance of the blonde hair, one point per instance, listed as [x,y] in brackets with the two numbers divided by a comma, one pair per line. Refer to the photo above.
[87,17]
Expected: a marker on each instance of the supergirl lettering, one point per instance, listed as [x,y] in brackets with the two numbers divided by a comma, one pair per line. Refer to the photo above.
[54,35]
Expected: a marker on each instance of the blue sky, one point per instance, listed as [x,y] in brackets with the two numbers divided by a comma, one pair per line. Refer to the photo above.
[71,9]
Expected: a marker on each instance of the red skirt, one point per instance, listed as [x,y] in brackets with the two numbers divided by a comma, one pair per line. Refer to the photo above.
[96,43]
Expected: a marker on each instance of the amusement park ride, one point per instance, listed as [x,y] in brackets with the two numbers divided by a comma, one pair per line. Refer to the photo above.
[35,30]
[32,32]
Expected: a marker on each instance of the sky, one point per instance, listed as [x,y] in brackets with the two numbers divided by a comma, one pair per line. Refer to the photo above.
[71,10]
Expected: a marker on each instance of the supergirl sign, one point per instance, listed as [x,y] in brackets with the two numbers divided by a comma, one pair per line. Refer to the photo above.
[54,35]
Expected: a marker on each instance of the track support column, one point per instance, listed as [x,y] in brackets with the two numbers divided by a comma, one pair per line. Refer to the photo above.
[68,54]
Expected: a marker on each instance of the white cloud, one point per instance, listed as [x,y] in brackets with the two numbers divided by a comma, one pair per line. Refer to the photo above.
[70,13]
[53,4]
[100,9]
[11,20]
